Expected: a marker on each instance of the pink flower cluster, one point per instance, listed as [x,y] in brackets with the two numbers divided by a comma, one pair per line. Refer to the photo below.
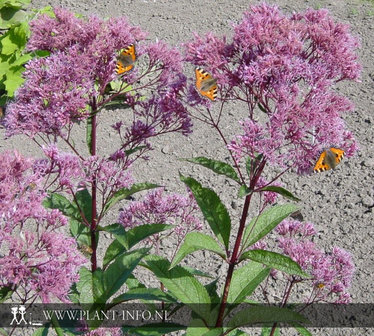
[159,208]
[64,87]
[331,272]
[40,260]
[284,69]
[72,173]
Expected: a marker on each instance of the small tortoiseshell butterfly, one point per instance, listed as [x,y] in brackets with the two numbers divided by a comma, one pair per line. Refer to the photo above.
[206,84]
[126,60]
[329,159]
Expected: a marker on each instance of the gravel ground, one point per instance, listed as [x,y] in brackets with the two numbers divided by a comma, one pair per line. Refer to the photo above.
[340,203]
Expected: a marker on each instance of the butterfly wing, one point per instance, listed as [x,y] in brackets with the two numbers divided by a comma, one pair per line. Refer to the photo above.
[206,84]
[329,159]
[338,154]
[126,60]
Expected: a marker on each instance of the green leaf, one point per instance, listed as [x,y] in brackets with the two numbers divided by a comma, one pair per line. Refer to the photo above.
[148,294]
[5,293]
[182,285]
[84,200]
[14,40]
[89,134]
[195,241]
[213,209]
[245,280]
[124,193]
[135,235]
[281,191]
[212,291]
[98,289]
[197,272]
[244,191]
[13,81]
[85,286]
[302,330]
[265,315]
[134,150]
[261,225]
[118,272]
[218,167]
[80,232]
[275,260]
[133,283]
[11,16]
[113,250]
[60,202]
[21,60]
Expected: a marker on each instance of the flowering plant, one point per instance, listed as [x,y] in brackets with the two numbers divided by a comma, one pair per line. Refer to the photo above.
[280,69]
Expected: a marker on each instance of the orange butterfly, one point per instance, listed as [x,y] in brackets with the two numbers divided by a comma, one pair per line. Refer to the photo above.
[126,60]
[206,84]
[329,159]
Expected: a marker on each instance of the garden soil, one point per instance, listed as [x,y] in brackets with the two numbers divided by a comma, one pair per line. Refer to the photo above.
[340,203]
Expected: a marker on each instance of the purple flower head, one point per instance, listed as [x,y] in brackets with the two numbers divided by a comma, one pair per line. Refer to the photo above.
[158,207]
[55,93]
[331,272]
[58,89]
[40,260]
[284,68]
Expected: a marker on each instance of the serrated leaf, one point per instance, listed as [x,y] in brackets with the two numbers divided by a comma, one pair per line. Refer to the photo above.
[125,192]
[85,286]
[113,250]
[265,315]
[281,191]
[118,272]
[135,235]
[182,285]
[195,241]
[275,260]
[245,280]
[219,167]
[213,209]
[261,225]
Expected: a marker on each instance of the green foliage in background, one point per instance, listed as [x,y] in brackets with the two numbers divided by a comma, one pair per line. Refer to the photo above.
[14,33]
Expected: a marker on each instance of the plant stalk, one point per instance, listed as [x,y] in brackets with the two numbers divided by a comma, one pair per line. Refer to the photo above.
[93,191]
[235,253]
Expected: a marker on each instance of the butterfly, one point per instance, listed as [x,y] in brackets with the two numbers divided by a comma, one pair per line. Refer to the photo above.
[329,159]
[126,60]
[206,84]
